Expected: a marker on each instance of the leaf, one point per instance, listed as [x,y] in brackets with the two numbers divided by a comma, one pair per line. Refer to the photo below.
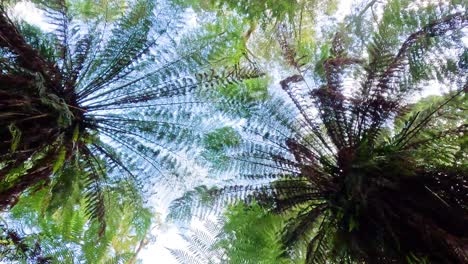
[353,224]
[60,160]
[15,135]
[76,133]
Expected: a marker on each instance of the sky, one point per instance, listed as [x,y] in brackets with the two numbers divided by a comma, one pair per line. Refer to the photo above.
[167,235]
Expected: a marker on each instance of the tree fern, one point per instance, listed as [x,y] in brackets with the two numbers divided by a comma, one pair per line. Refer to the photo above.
[104,89]
[359,187]
[67,234]
[245,234]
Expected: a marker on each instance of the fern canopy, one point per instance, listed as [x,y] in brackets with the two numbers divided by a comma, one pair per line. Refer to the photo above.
[363,174]
[97,88]
[55,225]
[334,163]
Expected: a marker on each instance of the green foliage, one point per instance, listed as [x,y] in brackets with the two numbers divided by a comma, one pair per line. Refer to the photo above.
[262,9]
[91,9]
[441,142]
[243,41]
[104,10]
[357,189]
[107,84]
[266,11]
[15,135]
[245,234]
[250,235]
[65,232]
[43,42]
[192,203]
[14,175]
[60,160]
[238,99]
[232,48]
[107,88]
[201,246]
[248,91]
[217,142]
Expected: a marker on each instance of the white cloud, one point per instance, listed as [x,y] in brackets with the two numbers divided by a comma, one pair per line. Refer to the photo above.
[28,12]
